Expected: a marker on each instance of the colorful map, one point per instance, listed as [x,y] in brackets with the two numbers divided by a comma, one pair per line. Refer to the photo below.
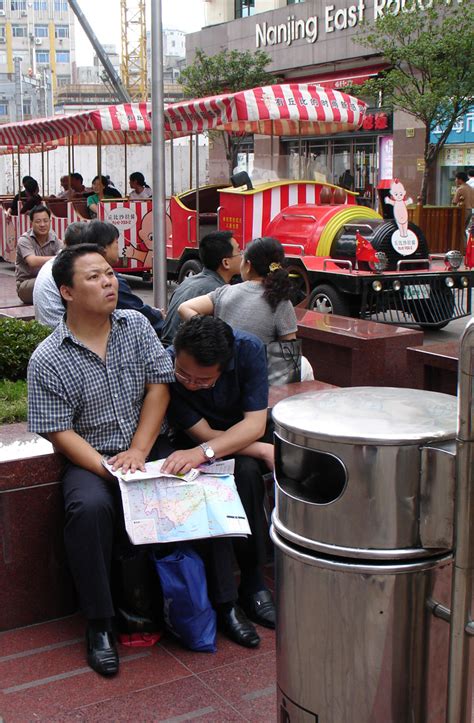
[168,509]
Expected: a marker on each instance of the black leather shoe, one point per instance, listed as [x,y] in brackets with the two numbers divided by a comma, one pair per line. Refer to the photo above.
[235,625]
[102,654]
[260,608]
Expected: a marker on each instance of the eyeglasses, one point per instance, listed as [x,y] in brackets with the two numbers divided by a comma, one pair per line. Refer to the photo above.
[237,254]
[201,383]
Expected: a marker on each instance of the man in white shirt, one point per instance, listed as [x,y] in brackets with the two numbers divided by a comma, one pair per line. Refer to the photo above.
[470,180]
[49,307]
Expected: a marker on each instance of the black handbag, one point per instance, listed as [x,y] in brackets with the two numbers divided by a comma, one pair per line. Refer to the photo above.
[284,362]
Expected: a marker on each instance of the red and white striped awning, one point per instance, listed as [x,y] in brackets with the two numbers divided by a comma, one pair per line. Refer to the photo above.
[34,148]
[287,109]
[130,121]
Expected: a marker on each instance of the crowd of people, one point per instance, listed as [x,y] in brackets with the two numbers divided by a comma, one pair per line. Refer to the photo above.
[39,244]
[116,379]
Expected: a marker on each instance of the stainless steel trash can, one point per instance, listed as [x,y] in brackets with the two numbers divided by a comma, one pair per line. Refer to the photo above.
[363,529]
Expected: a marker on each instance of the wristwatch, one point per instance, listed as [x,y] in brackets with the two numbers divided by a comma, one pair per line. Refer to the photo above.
[208,453]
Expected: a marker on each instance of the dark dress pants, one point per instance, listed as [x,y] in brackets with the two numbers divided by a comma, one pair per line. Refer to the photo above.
[250,552]
[95,529]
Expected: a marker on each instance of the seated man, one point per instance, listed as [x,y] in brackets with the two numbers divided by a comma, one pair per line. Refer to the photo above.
[48,303]
[97,386]
[33,250]
[107,235]
[220,256]
[220,400]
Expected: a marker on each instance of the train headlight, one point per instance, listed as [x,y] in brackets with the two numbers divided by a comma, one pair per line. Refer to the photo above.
[396,286]
[464,281]
[449,281]
[377,285]
[453,260]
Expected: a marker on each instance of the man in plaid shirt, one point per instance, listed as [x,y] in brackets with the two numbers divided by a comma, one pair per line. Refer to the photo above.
[98,386]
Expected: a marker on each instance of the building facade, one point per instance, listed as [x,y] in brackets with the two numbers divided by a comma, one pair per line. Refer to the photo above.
[37,55]
[315,41]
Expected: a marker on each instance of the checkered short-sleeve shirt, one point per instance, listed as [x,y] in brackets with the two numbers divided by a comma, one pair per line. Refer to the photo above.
[71,387]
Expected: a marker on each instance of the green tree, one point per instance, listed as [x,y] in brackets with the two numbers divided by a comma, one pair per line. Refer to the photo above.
[431,54]
[226,72]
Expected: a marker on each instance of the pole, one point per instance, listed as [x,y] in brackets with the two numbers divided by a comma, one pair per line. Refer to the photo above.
[125,188]
[172,163]
[158,159]
[459,677]
[198,226]
[42,168]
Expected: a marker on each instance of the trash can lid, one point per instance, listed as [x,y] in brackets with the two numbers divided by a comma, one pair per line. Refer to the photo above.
[384,415]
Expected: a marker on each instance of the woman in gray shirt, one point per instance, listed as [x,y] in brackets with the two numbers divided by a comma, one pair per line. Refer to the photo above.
[260,305]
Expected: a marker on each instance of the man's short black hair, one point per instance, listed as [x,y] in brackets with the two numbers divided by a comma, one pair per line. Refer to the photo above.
[214,247]
[77,176]
[462,176]
[208,340]
[63,265]
[75,233]
[40,208]
[470,173]
[102,233]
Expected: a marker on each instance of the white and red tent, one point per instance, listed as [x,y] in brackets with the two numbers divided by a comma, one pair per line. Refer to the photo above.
[290,109]
[118,124]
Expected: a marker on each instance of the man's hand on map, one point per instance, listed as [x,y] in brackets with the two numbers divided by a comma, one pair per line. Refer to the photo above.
[130,460]
[183,460]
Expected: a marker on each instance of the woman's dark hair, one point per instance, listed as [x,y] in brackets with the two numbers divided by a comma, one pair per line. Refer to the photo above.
[102,233]
[103,179]
[63,266]
[139,178]
[31,186]
[267,258]
[207,339]
[26,178]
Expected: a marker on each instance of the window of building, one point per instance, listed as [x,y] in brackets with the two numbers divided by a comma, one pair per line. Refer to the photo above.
[62,31]
[244,8]
[3,109]
[3,57]
[19,31]
[42,57]
[2,31]
[63,80]
[27,107]
[18,5]
[2,4]
[62,56]
[293,2]
[40,4]
[60,6]
[41,31]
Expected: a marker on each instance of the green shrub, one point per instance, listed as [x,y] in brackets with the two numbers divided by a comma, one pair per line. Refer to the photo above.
[18,340]
[13,401]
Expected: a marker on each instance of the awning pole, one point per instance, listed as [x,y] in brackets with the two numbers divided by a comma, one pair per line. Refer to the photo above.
[29,163]
[19,175]
[299,152]
[172,164]
[160,296]
[125,164]
[13,173]
[271,146]
[190,160]
[42,168]
[197,190]
[99,153]
[47,173]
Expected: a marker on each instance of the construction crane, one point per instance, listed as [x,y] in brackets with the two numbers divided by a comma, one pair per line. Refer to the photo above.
[134,65]
[121,91]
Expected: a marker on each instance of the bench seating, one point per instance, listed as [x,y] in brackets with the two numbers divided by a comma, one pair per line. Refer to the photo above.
[435,367]
[353,352]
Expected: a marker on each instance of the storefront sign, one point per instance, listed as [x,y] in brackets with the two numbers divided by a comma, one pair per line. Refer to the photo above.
[462,132]
[332,19]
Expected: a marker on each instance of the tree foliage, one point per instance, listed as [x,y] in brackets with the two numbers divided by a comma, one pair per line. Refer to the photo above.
[229,71]
[431,54]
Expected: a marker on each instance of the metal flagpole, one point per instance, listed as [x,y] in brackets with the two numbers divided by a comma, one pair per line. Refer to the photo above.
[158,159]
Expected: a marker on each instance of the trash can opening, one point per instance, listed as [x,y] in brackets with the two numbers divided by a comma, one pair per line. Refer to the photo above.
[308,474]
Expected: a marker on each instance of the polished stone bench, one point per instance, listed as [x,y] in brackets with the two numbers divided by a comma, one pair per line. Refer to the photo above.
[10,304]
[350,352]
[434,367]
[36,585]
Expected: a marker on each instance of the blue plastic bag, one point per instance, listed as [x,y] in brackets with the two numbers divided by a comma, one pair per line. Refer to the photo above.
[187,610]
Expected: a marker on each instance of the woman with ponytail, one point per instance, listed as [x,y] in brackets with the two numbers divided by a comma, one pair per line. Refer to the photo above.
[261,304]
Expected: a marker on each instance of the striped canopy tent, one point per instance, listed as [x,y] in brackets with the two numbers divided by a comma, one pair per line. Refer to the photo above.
[114,125]
[33,148]
[290,109]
